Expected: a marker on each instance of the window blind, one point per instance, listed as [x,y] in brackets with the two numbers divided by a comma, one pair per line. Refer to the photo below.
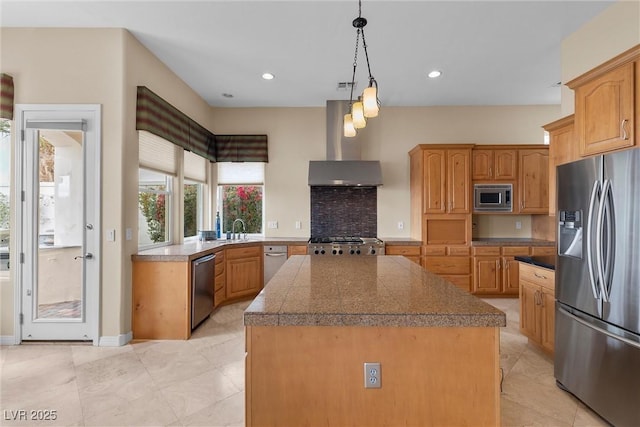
[241,173]
[195,167]
[156,153]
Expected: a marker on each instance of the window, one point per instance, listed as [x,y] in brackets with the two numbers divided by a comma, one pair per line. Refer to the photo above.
[5,166]
[158,166]
[154,208]
[195,179]
[240,195]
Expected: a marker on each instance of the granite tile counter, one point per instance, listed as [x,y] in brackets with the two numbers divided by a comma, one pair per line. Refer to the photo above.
[365,291]
[544,261]
[508,241]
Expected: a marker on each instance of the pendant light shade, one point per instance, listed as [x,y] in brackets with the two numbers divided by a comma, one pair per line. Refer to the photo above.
[349,130]
[370,102]
[368,105]
[357,114]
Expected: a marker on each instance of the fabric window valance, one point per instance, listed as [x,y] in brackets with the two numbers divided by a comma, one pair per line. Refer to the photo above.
[6,96]
[241,148]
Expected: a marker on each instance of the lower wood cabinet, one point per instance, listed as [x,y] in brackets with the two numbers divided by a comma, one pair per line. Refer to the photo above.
[452,263]
[495,270]
[296,250]
[537,305]
[412,253]
[219,289]
[243,271]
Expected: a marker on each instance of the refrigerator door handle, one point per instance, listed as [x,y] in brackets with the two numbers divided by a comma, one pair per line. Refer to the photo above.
[596,328]
[603,224]
[590,217]
[610,238]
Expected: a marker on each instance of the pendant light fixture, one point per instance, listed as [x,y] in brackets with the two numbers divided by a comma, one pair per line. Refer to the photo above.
[367,105]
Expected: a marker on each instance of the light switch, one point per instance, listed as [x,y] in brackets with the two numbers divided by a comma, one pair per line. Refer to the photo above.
[298,225]
[128,234]
[111,235]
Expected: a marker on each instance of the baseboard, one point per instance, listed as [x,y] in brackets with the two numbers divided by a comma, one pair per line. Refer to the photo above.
[7,340]
[115,341]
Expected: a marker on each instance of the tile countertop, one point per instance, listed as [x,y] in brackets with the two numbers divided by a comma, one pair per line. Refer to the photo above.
[545,261]
[365,291]
[192,250]
[506,241]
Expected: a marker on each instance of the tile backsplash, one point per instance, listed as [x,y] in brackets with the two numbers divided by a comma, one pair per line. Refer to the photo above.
[344,211]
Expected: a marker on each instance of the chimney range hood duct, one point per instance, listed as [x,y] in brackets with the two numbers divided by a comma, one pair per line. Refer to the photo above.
[343,166]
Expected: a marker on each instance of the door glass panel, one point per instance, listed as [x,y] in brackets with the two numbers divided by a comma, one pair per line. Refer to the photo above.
[59,292]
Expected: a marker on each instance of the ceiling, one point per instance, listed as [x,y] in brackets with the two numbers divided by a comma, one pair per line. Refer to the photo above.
[490,52]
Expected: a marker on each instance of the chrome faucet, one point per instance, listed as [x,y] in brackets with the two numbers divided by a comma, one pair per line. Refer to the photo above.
[233,229]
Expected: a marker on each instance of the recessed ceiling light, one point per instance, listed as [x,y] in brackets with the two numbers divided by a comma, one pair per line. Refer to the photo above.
[268,76]
[435,73]
[227,95]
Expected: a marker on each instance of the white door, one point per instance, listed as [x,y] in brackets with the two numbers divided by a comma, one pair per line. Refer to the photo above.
[59,176]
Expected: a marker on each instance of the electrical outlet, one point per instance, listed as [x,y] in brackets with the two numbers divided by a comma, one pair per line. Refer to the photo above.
[128,234]
[272,224]
[518,225]
[298,225]
[400,225]
[372,375]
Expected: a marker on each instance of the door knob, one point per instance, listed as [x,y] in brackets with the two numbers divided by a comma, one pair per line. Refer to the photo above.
[88,255]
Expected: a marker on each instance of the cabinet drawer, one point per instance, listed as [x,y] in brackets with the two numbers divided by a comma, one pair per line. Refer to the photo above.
[487,250]
[402,250]
[543,250]
[244,252]
[515,250]
[448,264]
[459,250]
[297,250]
[219,281]
[218,297]
[537,275]
[435,250]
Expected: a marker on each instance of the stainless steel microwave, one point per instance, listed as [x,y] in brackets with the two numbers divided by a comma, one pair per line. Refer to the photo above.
[492,197]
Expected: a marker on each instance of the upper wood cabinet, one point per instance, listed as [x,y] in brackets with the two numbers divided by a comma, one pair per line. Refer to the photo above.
[447,181]
[533,191]
[494,165]
[606,104]
[562,149]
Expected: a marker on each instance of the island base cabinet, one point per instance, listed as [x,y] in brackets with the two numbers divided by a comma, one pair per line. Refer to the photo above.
[312,375]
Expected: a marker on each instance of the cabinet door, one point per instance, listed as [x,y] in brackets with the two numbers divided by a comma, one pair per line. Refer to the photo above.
[547,318]
[561,151]
[459,181]
[486,275]
[505,165]
[435,179]
[529,310]
[482,164]
[605,112]
[534,181]
[244,277]
[510,276]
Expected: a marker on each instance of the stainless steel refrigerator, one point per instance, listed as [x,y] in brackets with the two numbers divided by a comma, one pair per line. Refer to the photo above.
[597,341]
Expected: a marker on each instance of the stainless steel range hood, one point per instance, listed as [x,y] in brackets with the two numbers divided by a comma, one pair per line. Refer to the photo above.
[343,166]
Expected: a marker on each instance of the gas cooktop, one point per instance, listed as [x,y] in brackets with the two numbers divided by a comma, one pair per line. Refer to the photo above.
[346,245]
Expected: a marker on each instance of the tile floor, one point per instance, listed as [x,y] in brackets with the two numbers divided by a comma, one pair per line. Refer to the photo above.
[201,381]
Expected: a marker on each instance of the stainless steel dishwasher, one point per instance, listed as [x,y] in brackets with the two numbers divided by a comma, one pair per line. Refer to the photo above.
[274,257]
[203,275]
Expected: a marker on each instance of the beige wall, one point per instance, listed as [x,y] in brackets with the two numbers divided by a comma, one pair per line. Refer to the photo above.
[97,66]
[297,135]
[612,32]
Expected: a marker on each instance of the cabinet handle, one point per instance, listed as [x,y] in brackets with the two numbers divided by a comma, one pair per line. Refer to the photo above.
[537,297]
[623,129]
[522,204]
[506,264]
[540,276]
[490,170]
[541,299]
[497,265]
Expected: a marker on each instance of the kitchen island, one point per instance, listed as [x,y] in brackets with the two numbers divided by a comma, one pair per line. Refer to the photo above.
[312,328]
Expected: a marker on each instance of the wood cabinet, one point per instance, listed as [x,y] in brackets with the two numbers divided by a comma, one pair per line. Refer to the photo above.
[296,250]
[533,180]
[243,271]
[607,102]
[495,270]
[447,183]
[537,305]
[452,263]
[219,295]
[410,252]
[562,149]
[494,164]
